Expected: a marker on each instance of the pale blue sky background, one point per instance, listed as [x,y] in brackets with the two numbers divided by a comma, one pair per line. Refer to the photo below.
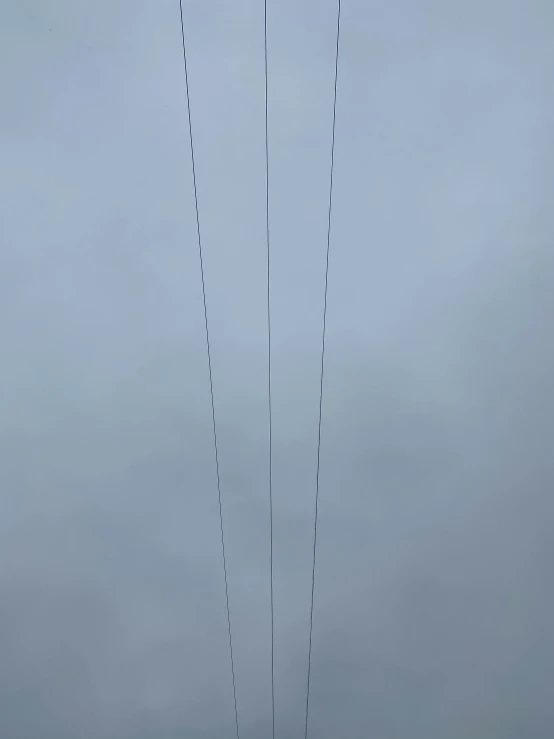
[434,593]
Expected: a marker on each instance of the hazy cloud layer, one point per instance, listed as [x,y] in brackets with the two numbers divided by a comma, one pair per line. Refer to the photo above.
[434,592]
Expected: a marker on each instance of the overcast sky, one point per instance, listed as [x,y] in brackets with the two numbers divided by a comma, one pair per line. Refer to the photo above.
[434,595]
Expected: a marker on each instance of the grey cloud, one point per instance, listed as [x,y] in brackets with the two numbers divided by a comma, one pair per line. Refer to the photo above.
[434,585]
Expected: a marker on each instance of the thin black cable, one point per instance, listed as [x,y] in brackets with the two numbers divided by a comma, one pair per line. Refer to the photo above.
[322,365]
[210,372]
[269,387]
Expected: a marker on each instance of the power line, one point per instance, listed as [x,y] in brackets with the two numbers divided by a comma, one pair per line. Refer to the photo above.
[322,366]
[210,372]
[269,387]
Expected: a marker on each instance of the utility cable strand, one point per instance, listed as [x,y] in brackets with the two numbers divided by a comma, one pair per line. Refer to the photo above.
[269,386]
[210,372]
[321,376]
